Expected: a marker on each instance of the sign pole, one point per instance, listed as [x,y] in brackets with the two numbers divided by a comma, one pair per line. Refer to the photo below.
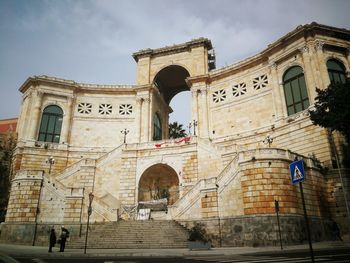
[298,176]
[306,222]
[277,208]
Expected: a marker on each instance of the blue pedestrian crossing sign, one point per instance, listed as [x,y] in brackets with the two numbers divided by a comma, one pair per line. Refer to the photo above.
[297,171]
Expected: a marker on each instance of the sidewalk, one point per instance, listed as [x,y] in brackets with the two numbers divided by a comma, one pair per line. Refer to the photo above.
[30,251]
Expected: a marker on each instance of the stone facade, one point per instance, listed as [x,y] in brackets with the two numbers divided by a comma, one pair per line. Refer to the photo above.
[226,175]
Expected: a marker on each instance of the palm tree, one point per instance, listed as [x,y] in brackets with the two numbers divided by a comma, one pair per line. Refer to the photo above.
[176,130]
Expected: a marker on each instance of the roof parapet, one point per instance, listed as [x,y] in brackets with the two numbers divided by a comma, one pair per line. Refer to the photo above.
[176,48]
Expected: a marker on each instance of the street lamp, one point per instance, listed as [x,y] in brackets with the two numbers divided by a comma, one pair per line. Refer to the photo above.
[268,140]
[193,124]
[91,198]
[51,162]
[125,132]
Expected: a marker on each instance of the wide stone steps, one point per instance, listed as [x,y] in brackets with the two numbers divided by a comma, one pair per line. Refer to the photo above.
[133,234]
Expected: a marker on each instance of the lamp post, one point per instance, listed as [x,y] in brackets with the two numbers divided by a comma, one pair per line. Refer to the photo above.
[51,162]
[268,140]
[125,132]
[91,198]
[193,124]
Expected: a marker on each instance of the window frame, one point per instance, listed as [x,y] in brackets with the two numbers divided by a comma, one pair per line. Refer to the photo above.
[295,91]
[333,72]
[51,125]
[157,127]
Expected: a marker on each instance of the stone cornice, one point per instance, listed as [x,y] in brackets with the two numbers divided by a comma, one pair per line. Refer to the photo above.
[173,49]
[305,31]
[72,85]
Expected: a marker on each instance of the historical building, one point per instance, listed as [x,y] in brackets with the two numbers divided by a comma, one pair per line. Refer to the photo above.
[250,122]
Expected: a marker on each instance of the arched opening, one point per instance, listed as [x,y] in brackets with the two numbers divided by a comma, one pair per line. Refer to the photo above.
[181,106]
[157,182]
[171,83]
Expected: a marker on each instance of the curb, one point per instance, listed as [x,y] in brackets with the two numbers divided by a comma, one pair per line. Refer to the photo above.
[7,259]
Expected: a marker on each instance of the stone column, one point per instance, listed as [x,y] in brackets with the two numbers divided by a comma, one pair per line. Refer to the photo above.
[165,125]
[277,95]
[66,124]
[194,106]
[322,65]
[308,74]
[138,110]
[203,120]
[146,119]
[36,116]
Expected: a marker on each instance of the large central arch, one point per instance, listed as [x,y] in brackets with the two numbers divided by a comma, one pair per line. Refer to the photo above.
[157,182]
[171,81]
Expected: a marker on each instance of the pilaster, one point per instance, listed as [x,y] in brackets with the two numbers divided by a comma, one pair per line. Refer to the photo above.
[276,92]
[67,121]
[322,65]
[139,102]
[308,73]
[194,106]
[36,112]
[203,119]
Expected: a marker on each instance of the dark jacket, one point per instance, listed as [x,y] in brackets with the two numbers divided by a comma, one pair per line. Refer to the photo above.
[64,234]
[52,237]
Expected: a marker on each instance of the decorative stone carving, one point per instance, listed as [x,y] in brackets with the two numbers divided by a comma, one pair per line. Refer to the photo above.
[304,49]
[125,109]
[319,45]
[219,95]
[260,82]
[105,109]
[239,89]
[84,108]
[273,65]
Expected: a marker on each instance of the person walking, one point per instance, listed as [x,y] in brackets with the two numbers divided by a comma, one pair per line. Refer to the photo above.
[52,241]
[336,231]
[64,236]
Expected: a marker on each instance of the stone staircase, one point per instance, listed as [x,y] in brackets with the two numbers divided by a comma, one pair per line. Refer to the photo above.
[133,235]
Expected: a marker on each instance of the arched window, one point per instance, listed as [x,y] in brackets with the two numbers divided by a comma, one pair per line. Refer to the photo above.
[51,123]
[336,71]
[295,90]
[157,128]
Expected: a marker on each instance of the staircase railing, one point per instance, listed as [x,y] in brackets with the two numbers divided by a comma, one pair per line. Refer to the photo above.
[192,196]
[112,154]
[107,213]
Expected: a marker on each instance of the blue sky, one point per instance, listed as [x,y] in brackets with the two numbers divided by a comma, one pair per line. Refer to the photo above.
[91,41]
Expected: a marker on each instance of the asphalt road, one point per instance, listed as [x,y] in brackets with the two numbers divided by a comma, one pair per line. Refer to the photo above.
[340,255]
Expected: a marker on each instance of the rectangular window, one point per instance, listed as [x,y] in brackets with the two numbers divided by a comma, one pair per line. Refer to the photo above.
[58,126]
[298,107]
[49,138]
[296,90]
[306,104]
[44,122]
[289,97]
[51,126]
[56,139]
[303,88]
[42,137]
[291,110]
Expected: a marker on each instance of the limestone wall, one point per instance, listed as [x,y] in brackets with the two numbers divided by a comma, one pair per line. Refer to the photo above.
[101,119]
[24,197]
